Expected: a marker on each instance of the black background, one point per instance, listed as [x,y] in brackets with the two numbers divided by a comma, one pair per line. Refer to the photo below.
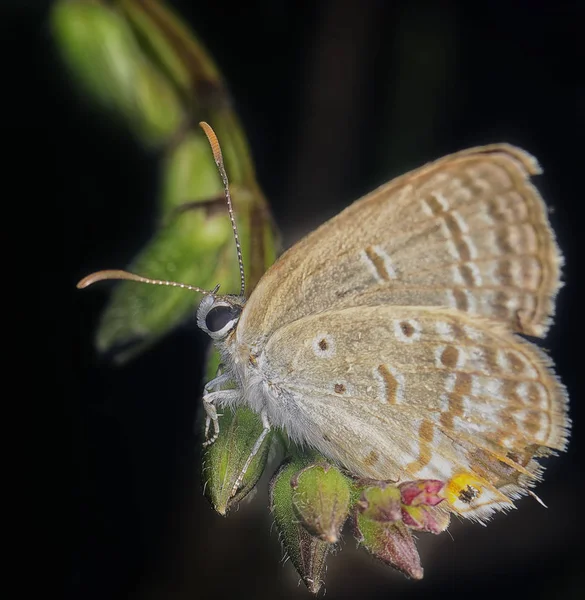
[336,97]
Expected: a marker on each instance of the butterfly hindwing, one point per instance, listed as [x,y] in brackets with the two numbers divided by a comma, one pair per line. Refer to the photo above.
[402,393]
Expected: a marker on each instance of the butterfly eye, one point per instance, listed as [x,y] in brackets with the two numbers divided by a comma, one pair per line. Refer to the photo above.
[219,316]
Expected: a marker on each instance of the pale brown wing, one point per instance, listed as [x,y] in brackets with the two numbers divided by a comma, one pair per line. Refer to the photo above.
[403,393]
[468,231]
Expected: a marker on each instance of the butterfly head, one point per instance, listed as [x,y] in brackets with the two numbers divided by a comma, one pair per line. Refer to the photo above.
[219,315]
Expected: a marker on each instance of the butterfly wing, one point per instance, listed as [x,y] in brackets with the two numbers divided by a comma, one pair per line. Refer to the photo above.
[468,231]
[402,393]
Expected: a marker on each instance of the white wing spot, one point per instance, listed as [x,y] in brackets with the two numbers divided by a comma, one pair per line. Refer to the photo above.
[460,221]
[442,201]
[437,178]
[405,194]
[438,468]
[444,403]
[476,359]
[542,395]
[522,392]
[482,184]
[370,265]
[451,300]
[452,248]
[517,273]
[471,303]
[487,387]
[529,274]
[521,364]
[533,394]
[456,274]
[512,303]
[486,217]
[445,331]
[495,387]
[473,334]
[323,345]
[502,361]
[450,381]
[426,208]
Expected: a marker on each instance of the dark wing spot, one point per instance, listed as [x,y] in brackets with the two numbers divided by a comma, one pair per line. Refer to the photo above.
[468,494]
[407,328]
[372,458]
[323,345]
[390,384]
[339,388]
[449,356]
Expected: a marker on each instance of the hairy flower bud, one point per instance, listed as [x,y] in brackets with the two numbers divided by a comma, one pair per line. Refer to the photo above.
[320,499]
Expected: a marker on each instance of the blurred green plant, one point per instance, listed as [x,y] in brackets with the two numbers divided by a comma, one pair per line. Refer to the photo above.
[139,62]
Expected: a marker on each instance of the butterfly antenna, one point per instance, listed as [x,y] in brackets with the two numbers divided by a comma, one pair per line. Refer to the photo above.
[117,274]
[218,157]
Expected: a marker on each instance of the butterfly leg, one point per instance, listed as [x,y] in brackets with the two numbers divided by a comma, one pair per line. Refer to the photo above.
[255,449]
[211,416]
[209,400]
[216,382]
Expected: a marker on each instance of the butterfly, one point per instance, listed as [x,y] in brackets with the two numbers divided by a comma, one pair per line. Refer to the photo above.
[389,339]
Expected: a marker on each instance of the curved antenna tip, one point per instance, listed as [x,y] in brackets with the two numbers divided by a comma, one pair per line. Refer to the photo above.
[213,142]
[119,274]
[101,276]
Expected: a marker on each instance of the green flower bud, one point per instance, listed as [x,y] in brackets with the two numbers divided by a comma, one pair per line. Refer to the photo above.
[391,542]
[381,503]
[224,460]
[321,496]
[307,552]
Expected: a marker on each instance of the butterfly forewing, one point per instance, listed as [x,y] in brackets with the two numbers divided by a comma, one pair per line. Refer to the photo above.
[468,232]
[401,393]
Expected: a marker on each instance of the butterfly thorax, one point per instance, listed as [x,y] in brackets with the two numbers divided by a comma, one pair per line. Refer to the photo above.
[248,368]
